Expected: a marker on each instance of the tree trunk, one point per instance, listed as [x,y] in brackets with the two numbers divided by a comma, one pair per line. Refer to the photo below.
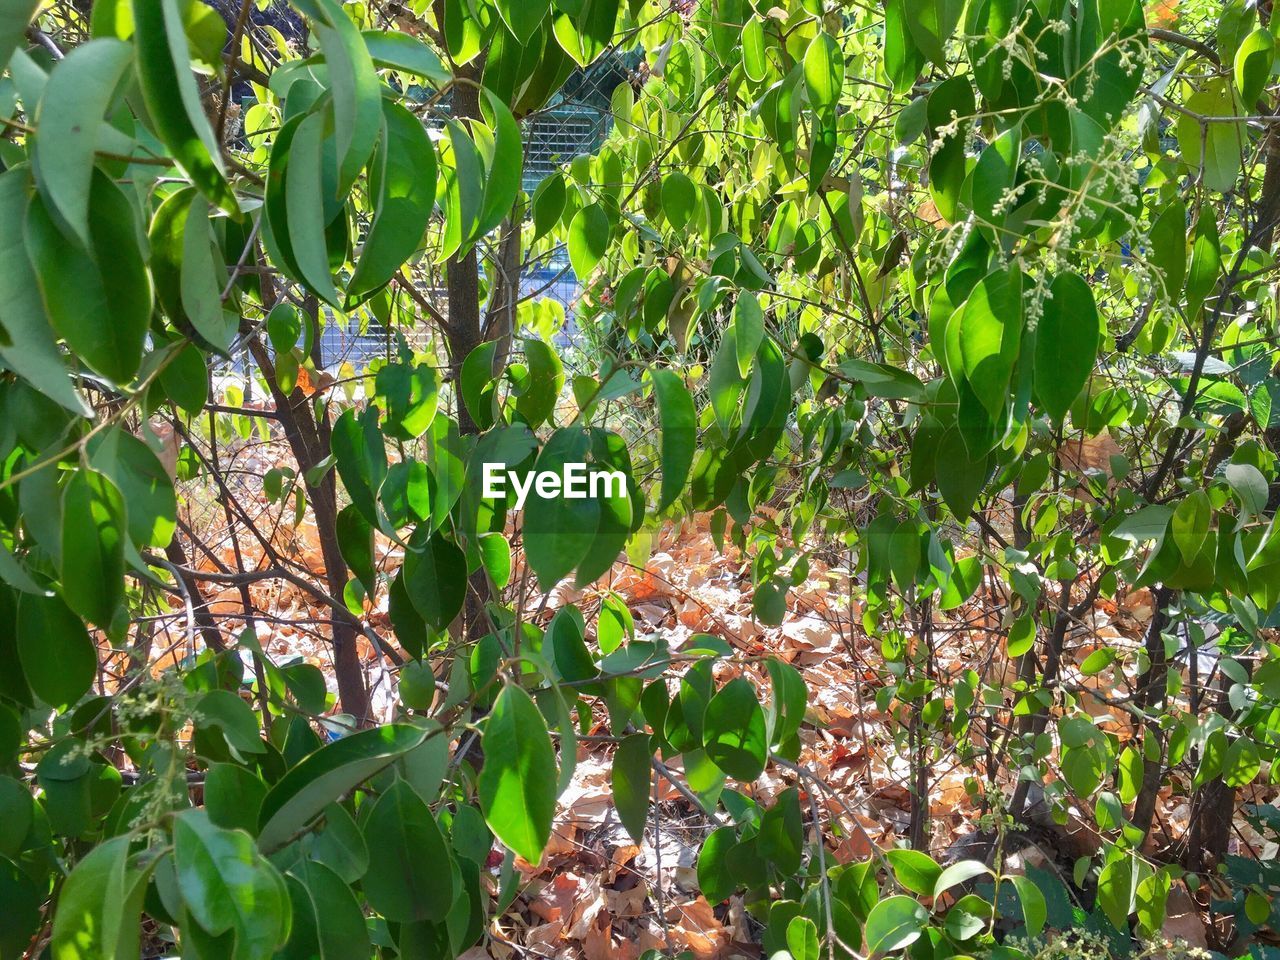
[308,436]
[1151,697]
[1213,807]
[463,333]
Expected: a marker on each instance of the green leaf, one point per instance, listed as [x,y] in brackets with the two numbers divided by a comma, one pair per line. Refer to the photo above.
[904,553]
[339,844]
[903,60]
[1169,246]
[503,172]
[31,351]
[586,34]
[355,542]
[1117,885]
[769,602]
[1212,148]
[632,777]
[97,298]
[1098,661]
[523,18]
[79,90]
[185,380]
[327,921]
[14,18]
[683,724]
[679,422]
[621,103]
[957,873]
[93,536]
[412,877]
[1190,524]
[785,712]
[950,104]
[229,713]
[1206,261]
[1034,910]
[566,643]
[99,906]
[1260,406]
[496,556]
[1083,769]
[802,939]
[227,886]
[307,207]
[23,918]
[726,386]
[203,278]
[559,531]
[1067,340]
[306,682]
[1249,486]
[614,624]
[324,776]
[361,459]
[588,239]
[1241,764]
[885,381]
[67,780]
[679,199]
[275,201]
[464,192]
[991,336]
[401,51]
[1212,757]
[517,784]
[406,493]
[357,94]
[1129,769]
[781,837]
[435,577]
[543,384]
[915,870]
[748,330]
[1022,636]
[823,71]
[964,478]
[754,63]
[932,23]
[58,657]
[173,100]
[780,111]
[1253,63]
[995,174]
[417,685]
[478,384]
[548,204]
[233,797]
[962,583]
[1151,899]
[1256,907]
[143,482]
[402,181]
[733,731]
[17,810]
[714,877]
[893,923]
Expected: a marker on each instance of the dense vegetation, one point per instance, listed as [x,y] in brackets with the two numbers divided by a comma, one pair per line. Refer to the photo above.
[974,300]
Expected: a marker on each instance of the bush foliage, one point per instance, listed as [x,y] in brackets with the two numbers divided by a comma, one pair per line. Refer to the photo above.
[978,296]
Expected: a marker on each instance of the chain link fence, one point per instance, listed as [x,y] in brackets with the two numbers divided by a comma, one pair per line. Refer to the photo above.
[576,122]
